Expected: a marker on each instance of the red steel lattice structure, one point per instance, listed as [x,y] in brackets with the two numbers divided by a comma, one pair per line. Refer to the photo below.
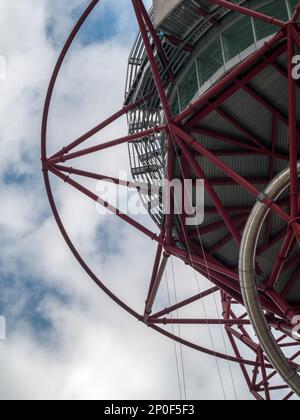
[179,132]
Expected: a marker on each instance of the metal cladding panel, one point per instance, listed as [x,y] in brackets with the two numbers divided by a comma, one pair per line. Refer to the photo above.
[245,117]
[163,8]
[250,114]
[217,123]
[209,240]
[241,164]
[273,87]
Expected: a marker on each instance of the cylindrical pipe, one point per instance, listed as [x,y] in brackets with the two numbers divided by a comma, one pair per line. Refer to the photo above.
[248,284]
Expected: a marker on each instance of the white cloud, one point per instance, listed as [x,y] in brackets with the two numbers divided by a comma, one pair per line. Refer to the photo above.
[94,350]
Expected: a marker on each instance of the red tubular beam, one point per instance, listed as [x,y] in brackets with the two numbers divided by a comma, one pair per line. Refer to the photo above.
[242,129]
[100,127]
[244,338]
[295,261]
[225,139]
[203,349]
[291,283]
[213,227]
[244,146]
[160,88]
[296,12]
[56,71]
[286,309]
[230,172]
[281,259]
[233,86]
[169,219]
[107,145]
[99,177]
[217,202]
[249,12]
[157,42]
[139,11]
[218,268]
[263,248]
[295,35]
[264,375]
[227,238]
[186,302]
[238,354]
[218,280]
[255,376]
[174,321]
[103,203]
[155,268]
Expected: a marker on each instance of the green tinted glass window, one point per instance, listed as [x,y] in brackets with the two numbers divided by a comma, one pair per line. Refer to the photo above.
[189,87]
[275,9]
[210,61]
[238,38]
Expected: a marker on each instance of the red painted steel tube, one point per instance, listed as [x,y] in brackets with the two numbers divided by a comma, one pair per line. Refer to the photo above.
[249,12]
[107,145]
[138,8]
[57,68]
[157,42]
[200,264]
[217,202]
[155,268]
[105,204]
[238,355]
[296,36]
[100,126]
[169,219]
[159,85]
[280,235]
[227,238]
[177,321]
[203,349]
[264,375]
[244,338]
[234,84]
[281,259]
[203,230]
[226,139]
[230,172]
[296,12]
[291,283]
[218,268]
[185,302]
[99,177]
[242,129]
[155,287]
[284,307]
[266,104]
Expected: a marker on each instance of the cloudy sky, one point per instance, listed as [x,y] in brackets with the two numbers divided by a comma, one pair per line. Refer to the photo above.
[65,338]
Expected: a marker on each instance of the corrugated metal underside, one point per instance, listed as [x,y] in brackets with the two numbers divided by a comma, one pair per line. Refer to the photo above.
[255,122]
